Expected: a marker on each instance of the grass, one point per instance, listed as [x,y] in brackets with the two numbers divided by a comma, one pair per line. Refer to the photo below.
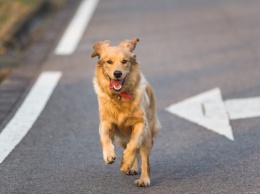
[4,72]
[11,11]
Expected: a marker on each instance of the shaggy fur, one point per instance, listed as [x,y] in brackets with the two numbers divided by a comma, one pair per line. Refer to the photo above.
[126,107]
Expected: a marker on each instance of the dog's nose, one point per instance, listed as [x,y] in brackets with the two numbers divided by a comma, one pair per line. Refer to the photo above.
[118,74]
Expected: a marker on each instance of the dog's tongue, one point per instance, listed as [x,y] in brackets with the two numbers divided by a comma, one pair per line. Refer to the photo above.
[115,84]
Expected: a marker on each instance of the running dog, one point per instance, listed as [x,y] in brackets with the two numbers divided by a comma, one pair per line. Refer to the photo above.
[126,107]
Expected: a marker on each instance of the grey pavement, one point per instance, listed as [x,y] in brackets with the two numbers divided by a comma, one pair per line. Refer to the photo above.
[186,47]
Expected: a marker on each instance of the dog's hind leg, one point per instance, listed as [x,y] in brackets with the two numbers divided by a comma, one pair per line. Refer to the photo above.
[132,148]
[144,180]
[134,169]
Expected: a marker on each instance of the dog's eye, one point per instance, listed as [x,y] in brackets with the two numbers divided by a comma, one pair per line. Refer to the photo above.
[110,62]
[124,61]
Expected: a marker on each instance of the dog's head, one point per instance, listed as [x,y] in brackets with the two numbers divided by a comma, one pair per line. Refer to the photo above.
[116,61]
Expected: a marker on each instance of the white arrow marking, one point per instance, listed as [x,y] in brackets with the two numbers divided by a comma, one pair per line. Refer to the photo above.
[208,110]
[243,108]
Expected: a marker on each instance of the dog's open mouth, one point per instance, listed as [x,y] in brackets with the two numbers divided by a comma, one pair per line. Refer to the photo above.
[117,85]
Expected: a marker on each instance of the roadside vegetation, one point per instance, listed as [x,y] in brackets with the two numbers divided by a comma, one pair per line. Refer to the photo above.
[12,12]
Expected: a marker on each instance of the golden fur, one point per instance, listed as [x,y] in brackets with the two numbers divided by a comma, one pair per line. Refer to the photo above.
[132,120]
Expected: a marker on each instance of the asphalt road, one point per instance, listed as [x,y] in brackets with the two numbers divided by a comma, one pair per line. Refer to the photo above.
[186,47]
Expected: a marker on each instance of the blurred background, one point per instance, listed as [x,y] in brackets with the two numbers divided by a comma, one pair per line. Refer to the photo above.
[21,23]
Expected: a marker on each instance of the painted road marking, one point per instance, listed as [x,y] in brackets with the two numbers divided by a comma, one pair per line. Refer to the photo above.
[28,112]
[243,108]
[210,111]
[76,28]
[194,109]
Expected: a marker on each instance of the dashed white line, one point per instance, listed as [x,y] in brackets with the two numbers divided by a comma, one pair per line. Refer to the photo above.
[76,28]
[28,112]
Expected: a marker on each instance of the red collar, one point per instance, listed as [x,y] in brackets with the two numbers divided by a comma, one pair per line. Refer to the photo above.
[125,95]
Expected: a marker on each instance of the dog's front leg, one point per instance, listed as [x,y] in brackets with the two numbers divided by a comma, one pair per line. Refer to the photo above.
[106,133]
[132,148]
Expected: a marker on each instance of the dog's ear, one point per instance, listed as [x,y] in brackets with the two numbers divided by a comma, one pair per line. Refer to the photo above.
[129,44]
[98,47]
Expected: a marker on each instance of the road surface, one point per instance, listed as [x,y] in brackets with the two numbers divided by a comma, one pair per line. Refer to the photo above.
[186,48]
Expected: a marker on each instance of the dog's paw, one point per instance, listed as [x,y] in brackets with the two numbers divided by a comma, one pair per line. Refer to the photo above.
[110,159]
[109,156]
[127,163]
[128,169]
[132,172]
[143,182]
[125,169]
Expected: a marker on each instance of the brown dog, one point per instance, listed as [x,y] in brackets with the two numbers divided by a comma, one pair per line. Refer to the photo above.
[126,107]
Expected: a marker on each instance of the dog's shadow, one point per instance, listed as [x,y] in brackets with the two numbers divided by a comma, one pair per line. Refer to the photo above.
[209,156]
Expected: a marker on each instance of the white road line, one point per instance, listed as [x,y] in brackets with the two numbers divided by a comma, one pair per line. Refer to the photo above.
[75,30]
[28,112]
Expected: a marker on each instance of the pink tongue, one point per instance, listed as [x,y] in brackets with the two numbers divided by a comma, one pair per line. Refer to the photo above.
[115,83]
